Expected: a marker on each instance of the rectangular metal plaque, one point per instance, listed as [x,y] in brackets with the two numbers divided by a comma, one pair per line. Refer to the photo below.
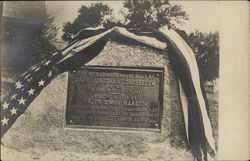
[115,98]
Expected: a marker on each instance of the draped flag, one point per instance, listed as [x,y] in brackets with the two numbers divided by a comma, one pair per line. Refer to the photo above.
[198,125]
[25,90]
[87,45]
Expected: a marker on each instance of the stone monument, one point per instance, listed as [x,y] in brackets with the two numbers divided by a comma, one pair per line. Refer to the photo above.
[122,105]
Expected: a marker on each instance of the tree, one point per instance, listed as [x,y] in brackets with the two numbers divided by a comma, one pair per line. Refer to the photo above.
[88,16]
[136,13]
[44,35]
[35,39]
[206,48]
[156,13]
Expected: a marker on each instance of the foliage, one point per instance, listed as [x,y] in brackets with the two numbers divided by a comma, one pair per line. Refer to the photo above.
[35,38]
[155,13]
[112,21]
[88,16]
[44,35]
[136,13]
[206,48]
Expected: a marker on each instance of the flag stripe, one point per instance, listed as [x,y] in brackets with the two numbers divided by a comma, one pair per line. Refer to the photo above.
[118,30]
[184,103]
[186,53]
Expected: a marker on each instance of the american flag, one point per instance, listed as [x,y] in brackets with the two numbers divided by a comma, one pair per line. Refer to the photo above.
[87,46]
[26,89]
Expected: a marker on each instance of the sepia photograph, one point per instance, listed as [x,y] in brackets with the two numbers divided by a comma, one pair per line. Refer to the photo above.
[132,80]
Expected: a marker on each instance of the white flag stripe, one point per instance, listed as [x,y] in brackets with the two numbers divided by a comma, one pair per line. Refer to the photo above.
[90,41]
[69,49]
[188,54]
[84,45]
[143,39]
[196,81]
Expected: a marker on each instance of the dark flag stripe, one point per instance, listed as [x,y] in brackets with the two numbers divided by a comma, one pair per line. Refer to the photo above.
[198,138]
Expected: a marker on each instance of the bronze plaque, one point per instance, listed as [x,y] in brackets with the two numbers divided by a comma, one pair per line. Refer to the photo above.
[115,98]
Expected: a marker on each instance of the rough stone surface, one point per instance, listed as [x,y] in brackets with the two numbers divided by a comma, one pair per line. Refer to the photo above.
[39,134]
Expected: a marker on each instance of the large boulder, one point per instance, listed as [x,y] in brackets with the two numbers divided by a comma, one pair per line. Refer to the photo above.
[40,134]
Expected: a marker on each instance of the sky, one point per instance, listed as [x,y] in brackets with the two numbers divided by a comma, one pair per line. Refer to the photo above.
[203,15]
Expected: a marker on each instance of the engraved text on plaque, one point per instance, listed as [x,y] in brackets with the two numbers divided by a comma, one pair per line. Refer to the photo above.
[115,97]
